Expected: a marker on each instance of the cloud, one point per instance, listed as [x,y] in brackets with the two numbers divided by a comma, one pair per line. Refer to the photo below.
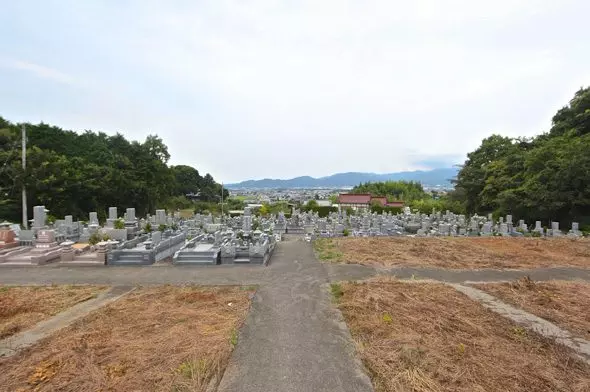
[39,71]
[280,89]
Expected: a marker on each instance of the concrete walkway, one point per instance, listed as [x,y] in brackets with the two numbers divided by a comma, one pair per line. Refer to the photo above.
[256,274]
[294,339]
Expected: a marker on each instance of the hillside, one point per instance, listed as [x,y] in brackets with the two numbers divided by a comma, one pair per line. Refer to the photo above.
[431,177]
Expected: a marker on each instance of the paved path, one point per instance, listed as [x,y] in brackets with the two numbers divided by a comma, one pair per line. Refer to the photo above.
[294,339]
[256,274]
[357,272]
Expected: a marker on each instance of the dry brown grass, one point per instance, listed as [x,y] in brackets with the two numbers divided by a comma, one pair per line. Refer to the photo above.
[457,253]
[427,337]
[566,304]
[154,339]
[24,306]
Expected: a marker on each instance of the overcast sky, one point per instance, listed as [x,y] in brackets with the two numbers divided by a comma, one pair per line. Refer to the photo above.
[279,89]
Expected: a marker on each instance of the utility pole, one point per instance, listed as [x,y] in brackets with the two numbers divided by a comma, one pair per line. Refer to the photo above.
[222,202]
[24,152]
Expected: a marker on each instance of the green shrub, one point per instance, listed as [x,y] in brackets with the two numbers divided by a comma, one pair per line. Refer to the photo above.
[119,224]
[177,203]
[379,209]
[95,238]
[323,211]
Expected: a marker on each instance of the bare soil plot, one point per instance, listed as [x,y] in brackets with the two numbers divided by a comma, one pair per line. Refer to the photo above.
[456,253]
[24,306]
[153,339]
[416,336]
[566,304]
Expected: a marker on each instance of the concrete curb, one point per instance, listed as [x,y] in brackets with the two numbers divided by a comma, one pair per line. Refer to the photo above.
[528,320]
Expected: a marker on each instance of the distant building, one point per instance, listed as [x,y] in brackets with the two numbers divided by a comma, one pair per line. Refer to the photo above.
[364,200]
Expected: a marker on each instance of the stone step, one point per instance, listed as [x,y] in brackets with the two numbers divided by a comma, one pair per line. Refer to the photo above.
[79,262]
[194,262]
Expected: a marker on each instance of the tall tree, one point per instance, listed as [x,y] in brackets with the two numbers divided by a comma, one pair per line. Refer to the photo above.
[546,177]
[73,173]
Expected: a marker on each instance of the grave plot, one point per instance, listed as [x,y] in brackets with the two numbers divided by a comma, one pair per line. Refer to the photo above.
[565,304]
[457,253]
[416,336]
[22,307]
[159,338]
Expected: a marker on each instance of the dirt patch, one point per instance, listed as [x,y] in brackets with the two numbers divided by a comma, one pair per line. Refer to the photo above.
[159,338]
[563,303]
[415,336]
[24,306]
[456,253]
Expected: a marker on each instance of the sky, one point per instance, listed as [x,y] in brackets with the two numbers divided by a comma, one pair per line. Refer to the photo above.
[277,89]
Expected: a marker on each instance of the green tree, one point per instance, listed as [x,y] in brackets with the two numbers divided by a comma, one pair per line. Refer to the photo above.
[263,210]
[311,204]
[73,173]
[393,190]
[543,178]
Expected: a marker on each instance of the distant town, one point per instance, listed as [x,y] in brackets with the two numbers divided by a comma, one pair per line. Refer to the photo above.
[254,197]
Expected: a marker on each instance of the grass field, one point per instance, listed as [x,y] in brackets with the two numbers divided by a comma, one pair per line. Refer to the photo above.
[21,307]
[456,253]
[416,336]
[153,339]
[566,304]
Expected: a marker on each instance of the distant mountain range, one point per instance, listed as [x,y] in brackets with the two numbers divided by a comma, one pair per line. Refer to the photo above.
[426,177]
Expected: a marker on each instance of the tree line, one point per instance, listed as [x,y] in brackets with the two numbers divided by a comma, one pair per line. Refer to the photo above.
[393,190]
[413,195]
[75,173]
[545,178]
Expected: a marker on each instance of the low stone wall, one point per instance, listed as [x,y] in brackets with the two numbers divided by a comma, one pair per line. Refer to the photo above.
[6,253]
[169,246]
[165,248]
[134,242]
[197,258]
[46,257]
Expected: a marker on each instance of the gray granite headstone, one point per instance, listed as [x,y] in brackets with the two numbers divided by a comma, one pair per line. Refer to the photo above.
[93,219]
[160,217]
[156,237]
[130,215]
[113,213]
[39,216]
